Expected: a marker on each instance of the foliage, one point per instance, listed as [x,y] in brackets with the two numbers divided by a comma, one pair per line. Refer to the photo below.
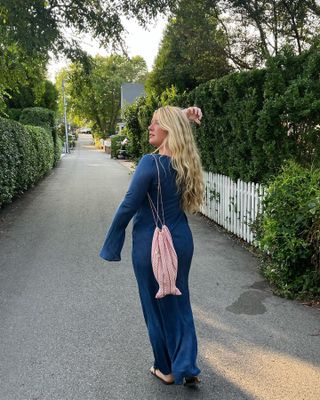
[116,144]
[14,113]
[138,117]
[288,231]
[26,154]
[39,26]
[252,121]
[255,120]
[17,70]
[192,50]
[38,116]
[36,92]
[44,146]
[94,92]
[259,29]
[31,29]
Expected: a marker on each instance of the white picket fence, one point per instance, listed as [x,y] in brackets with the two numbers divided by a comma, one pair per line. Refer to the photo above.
[234,205]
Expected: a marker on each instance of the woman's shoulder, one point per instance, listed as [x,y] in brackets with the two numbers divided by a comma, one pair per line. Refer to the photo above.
[153,156]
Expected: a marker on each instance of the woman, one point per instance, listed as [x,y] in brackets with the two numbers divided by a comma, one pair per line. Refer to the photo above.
[169,319]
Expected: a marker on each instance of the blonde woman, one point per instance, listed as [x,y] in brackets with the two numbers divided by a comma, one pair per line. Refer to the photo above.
[169,319]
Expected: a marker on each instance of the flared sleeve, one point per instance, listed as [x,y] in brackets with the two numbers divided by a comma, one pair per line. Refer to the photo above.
[139,186]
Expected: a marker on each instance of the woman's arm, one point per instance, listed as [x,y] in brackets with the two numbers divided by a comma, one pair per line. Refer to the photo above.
[194,114]
[139,186]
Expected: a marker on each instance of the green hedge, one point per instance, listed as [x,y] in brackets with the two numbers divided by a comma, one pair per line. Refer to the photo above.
[14,113]
[26,154]
[253,124]
[138,117]
[38,116]
[288,231]
[252,121]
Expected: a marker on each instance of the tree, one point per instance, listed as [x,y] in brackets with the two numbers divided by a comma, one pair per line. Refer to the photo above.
[192,50]
[29,29]
[38,26]
[34,93]
[258,29]
[94,92]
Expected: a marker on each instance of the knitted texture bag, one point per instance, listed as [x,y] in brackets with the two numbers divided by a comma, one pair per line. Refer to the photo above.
[163,255]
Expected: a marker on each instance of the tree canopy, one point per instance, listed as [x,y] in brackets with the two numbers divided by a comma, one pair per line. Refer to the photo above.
[192,50]
[30,29]
[94,91]
[259,29]
[40,26]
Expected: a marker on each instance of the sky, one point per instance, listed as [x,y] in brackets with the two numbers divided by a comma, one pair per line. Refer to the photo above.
[140,42]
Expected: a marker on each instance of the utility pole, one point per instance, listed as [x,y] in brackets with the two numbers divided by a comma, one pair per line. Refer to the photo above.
[65,117]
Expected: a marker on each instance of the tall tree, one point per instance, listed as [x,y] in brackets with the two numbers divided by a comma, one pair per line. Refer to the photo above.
[29,29]
[38,25]
[192,49]
[94,92]
[259,29]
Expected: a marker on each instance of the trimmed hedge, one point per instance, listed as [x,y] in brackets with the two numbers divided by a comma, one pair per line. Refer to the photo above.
[39,116]
[14,113]
[252,121]
[26,154]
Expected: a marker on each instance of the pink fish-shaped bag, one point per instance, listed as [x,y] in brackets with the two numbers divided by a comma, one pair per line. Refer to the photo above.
[163,255]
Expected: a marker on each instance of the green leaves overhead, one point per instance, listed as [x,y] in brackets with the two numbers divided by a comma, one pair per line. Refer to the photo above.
[192,50]
[94,91]
[40,26]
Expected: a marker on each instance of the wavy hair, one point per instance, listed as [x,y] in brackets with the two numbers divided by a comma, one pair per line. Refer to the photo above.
[185,158]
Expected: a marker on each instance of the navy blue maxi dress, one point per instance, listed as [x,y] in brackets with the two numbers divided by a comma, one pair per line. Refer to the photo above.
[169,320]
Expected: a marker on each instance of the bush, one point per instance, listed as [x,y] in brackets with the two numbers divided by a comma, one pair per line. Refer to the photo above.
[288,231]
[252,122]
[14,113]
[43,144]
[116,144]
[138,117]
[38,116]
[10,159]
[26,154]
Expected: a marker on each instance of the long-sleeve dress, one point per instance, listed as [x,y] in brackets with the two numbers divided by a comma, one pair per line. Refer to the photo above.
[169,320]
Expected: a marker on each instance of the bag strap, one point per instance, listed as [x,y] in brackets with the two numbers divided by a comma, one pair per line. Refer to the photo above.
[155,209]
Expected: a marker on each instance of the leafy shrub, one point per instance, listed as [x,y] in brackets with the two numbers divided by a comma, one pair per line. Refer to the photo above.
[43,144]
[14,113]
[252,122]
[9,158]
[138,117]
[288,231]
[26,154]
[39,116]
[116,144]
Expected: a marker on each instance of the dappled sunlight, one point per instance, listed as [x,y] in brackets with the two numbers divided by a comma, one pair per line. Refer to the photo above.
[262,373]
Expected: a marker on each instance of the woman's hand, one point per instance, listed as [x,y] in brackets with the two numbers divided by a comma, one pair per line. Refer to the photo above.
[194,114]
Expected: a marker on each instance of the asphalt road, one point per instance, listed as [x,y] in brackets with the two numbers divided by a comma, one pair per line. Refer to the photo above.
[71,327]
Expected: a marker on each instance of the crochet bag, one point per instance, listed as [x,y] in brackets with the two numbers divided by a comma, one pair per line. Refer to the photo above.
[163,255]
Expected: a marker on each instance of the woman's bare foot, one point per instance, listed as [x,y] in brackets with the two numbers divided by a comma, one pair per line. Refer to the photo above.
[168,379]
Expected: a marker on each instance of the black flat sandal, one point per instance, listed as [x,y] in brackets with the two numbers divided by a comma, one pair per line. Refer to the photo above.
[192,381]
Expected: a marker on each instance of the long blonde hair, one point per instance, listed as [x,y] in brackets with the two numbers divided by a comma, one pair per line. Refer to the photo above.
[185,158]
